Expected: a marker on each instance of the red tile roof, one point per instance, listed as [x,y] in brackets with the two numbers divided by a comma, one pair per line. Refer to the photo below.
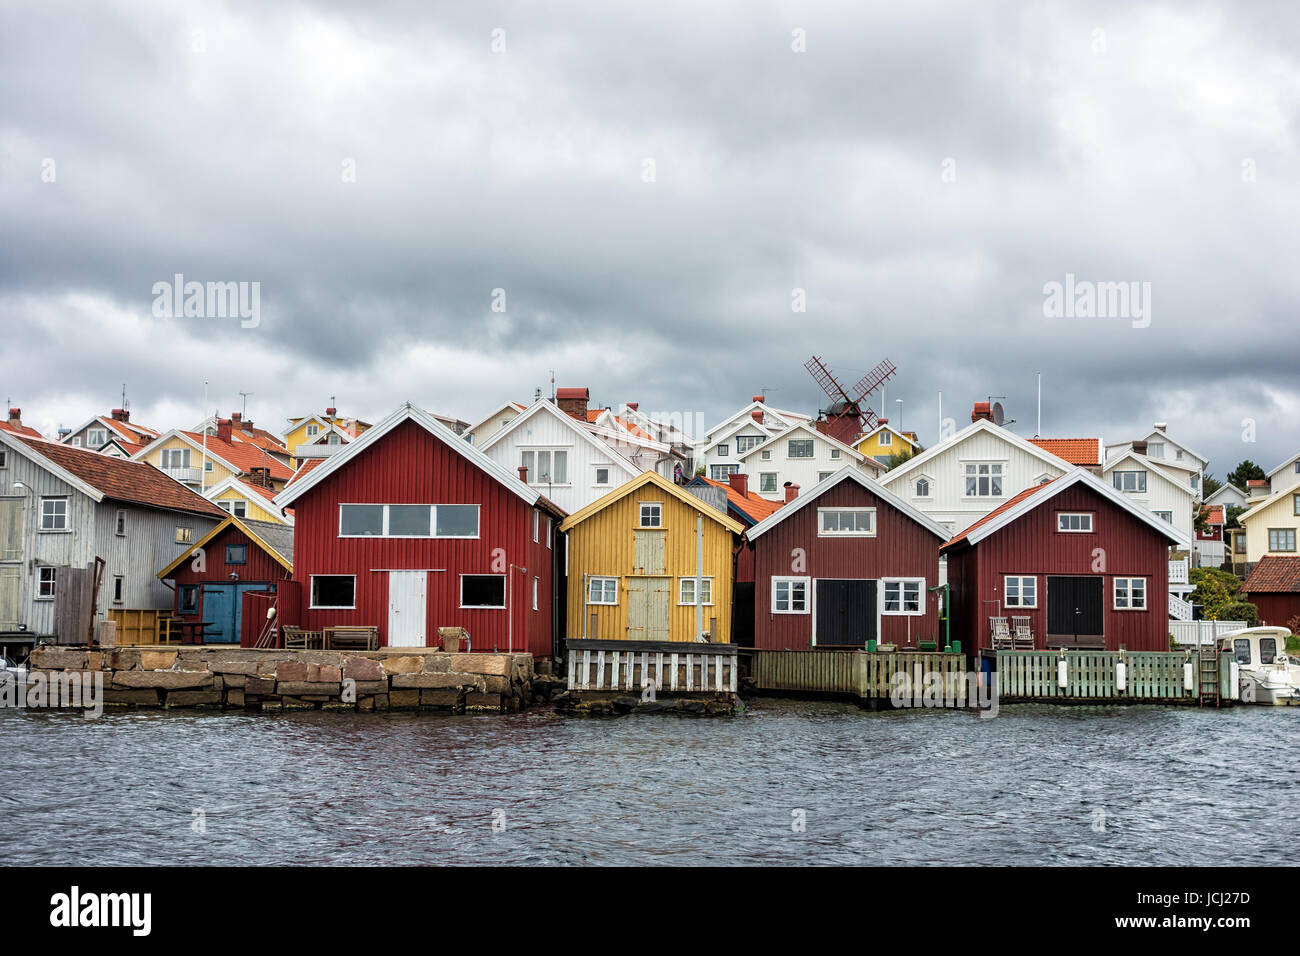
[752,504]
[307,465]
[126,430]
[1256,482]
[1274,575]
[1214,514]
[243,455]
[1077,451]
[1000,510]
[22,430]
[121,479]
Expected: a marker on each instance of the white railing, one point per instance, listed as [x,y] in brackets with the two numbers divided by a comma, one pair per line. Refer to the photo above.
[183,475]
[1178,571]
[670,667]
[1179,610]
[1202,632]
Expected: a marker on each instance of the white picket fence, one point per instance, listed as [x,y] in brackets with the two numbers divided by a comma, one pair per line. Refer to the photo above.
[1192,633]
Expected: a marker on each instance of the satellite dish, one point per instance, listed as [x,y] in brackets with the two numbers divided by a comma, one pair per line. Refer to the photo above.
[999,416]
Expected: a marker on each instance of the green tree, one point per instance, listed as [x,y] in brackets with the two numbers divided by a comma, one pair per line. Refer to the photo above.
[896,459]
[1209,485]
[1244,472]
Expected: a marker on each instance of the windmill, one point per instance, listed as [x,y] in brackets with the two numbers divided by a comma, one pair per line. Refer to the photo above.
[846,417]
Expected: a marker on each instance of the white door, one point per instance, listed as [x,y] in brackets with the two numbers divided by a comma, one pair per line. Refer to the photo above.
[407,594]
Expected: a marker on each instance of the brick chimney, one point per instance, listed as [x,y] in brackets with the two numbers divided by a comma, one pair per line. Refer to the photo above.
[121,415]
[983,411]
[633,405]
[882,421]
[523,473]
[236,419]
[260,475]
[791,491]
[739,481]
[16,417]
[331,411]
[573,401]
[223,429]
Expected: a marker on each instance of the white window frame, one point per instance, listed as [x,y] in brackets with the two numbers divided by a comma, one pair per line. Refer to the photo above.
[790,581]
[41,578]
[916,488]
[595,478]
[823,533]
[765,454]
[433,521]
[311,594]
[885,439]
[65,524]
[762,485]
[996,470]
[604,579]
[184,534]
[790,444]
[119,589]
[460,594]
[537,526]
[1125,585]
[1164,516]
[681,590]
[835,453]
[720,472]
[641,507]
[532,451]
[1063,518]
[536,586]
[751,442]
[1140,487]
[96,437]
[1019,590]
[902,584]
[313,430]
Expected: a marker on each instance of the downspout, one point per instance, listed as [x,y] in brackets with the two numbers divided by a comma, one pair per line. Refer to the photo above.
[699,576]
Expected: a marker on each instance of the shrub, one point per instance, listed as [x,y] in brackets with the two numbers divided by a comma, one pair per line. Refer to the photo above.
[1240,611]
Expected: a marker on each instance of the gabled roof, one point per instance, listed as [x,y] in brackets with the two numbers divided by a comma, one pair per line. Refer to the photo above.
[275,539]
[753,506]
[305,480]
[1150,466]
[1289,461]
[1213,514]
[1263,503]
[1077,451]
[1274,575]
[104,476]
[358,426]
[26,431]
[974,428]
[909,437]
[847,473]
[494,413]
[1159,437]
[241,457]
[250,490]
[726,433]
[664,485]
[813,433]
[127,431]
[1031,498]
[786,418]
[1224,490]
[544,406]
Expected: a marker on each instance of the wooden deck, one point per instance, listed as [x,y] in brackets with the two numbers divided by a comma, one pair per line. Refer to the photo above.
[862,674]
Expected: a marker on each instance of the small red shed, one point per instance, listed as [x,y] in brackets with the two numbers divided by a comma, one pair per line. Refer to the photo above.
[409,529]
[1087,567]
[211,578]
[1274,588]
[848,562]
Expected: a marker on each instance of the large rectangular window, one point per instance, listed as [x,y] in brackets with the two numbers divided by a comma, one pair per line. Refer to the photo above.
[1281,539]
[686,590]
[767,482]
[408,521]
[1021,591]
[1132,481]
[789,595]
[333,591]
[800,448]
[746,443]
[483,590]
[983,479]
[720,472]
[846,522]
[1079,522]
[903,596]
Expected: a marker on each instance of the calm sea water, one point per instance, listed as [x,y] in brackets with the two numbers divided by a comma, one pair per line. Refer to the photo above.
[1038,784]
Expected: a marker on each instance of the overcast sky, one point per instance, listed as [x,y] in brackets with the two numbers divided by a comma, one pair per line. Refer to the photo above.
[649,184]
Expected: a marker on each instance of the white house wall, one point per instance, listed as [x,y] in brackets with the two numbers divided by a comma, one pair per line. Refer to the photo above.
[1160,495]
[804,472]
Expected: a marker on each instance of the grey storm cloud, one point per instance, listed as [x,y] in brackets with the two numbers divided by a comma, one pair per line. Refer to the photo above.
[920,171]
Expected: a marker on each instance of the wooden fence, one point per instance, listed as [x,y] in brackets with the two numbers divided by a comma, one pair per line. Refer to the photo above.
[860,673]
[667,666]
[144,626]
[1156,676]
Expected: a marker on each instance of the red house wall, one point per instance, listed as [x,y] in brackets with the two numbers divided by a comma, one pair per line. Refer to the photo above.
[901,549]
[410,466]
[1275,609]
[1032,545]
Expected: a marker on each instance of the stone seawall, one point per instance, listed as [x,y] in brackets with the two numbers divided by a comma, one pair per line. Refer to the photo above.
[278,680]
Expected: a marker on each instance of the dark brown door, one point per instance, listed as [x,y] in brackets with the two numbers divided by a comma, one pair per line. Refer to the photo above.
[1075,610]
[846,612]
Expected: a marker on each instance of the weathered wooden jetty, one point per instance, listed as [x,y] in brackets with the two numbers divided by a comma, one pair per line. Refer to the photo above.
[612,676]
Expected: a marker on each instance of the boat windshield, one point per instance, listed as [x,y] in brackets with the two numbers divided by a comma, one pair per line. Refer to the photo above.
[1241,650]
[1267,650]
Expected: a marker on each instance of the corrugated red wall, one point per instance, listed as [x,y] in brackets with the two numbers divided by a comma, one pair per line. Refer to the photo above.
[1275,609]
[410,466]
[1032,545]
[260,568]
[901,549]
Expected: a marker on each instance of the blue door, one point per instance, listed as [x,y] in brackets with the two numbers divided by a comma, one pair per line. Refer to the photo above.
[221,613]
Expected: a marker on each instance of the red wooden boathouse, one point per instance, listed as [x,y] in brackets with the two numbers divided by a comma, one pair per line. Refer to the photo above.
[410,529]
[1085,565]
[848,562]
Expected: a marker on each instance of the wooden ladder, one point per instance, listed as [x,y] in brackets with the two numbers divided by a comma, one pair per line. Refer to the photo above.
[1207,676]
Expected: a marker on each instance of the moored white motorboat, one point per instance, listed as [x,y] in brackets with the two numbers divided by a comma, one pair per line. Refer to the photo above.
[1266,675]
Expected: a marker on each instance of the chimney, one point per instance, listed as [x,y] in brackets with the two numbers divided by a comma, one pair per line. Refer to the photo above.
[573,401]
[523,473]
[331,411]
[740,482]
[236,418]
[882,421]
[757,398]
[223,429]
[1161,426]
[16,417]
[791,491]
[983,411]
[757,415]
[260,475]
[633,405]
[121,415]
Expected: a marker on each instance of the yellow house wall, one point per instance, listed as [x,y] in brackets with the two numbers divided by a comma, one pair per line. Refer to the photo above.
[603,545]
[216,476]
[1280,514]
[256,510]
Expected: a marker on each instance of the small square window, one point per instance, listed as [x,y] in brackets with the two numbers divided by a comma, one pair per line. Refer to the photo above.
[652,515]
[724,451]
[602,590]
[602,475]
[54,514]
[236,554]
[184,535]
[187,599]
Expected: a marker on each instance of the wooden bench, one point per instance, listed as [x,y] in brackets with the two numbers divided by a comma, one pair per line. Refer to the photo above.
[297,639]
[347,637]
